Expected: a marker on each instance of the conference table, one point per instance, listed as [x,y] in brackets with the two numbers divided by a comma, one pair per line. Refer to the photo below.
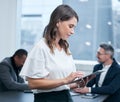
[29,97]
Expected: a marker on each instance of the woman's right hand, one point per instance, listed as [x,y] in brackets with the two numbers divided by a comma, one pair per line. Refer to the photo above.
[73,76]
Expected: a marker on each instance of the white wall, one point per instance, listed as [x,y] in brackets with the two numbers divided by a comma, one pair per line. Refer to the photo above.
[8,15]
[85,66]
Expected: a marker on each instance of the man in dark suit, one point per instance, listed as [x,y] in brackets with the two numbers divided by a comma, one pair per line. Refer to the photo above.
[9,72]
[108,82]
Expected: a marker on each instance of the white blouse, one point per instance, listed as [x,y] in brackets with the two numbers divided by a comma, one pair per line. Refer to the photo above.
[41,63]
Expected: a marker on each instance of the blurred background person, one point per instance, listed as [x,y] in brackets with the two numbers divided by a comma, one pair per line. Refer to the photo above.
[109,81]
[9,72]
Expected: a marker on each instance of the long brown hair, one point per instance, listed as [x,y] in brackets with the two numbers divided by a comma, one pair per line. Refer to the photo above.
[61,13]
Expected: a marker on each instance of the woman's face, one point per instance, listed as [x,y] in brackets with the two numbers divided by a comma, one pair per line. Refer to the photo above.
[66,28]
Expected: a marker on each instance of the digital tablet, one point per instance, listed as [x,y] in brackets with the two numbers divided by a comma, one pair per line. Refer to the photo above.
[88,76]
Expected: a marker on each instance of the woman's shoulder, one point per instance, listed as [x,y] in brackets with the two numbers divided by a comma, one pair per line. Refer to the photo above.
[41,44]
[39,47]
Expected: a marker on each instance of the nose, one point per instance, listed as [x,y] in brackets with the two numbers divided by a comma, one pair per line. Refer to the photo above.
[72,31]
[97,55]
[22,63]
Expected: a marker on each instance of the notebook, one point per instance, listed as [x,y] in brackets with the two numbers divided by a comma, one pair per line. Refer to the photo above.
[89,95]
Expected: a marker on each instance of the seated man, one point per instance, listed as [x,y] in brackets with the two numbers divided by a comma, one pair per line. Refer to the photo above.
[9,72]
[109,81]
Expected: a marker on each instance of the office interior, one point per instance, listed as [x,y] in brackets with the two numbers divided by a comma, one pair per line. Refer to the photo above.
[22,23]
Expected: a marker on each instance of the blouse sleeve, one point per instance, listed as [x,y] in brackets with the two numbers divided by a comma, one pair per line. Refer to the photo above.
[34,66]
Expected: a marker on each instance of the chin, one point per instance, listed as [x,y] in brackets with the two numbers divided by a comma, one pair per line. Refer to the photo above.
[64,38]
[99,61]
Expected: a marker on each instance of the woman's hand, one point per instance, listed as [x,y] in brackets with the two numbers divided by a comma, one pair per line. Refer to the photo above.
[83,82]
[73,76]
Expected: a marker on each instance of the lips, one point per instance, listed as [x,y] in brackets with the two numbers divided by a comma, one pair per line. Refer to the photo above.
[68,35]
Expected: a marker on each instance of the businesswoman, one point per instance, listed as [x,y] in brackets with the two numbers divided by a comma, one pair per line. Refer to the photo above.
[49,67]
